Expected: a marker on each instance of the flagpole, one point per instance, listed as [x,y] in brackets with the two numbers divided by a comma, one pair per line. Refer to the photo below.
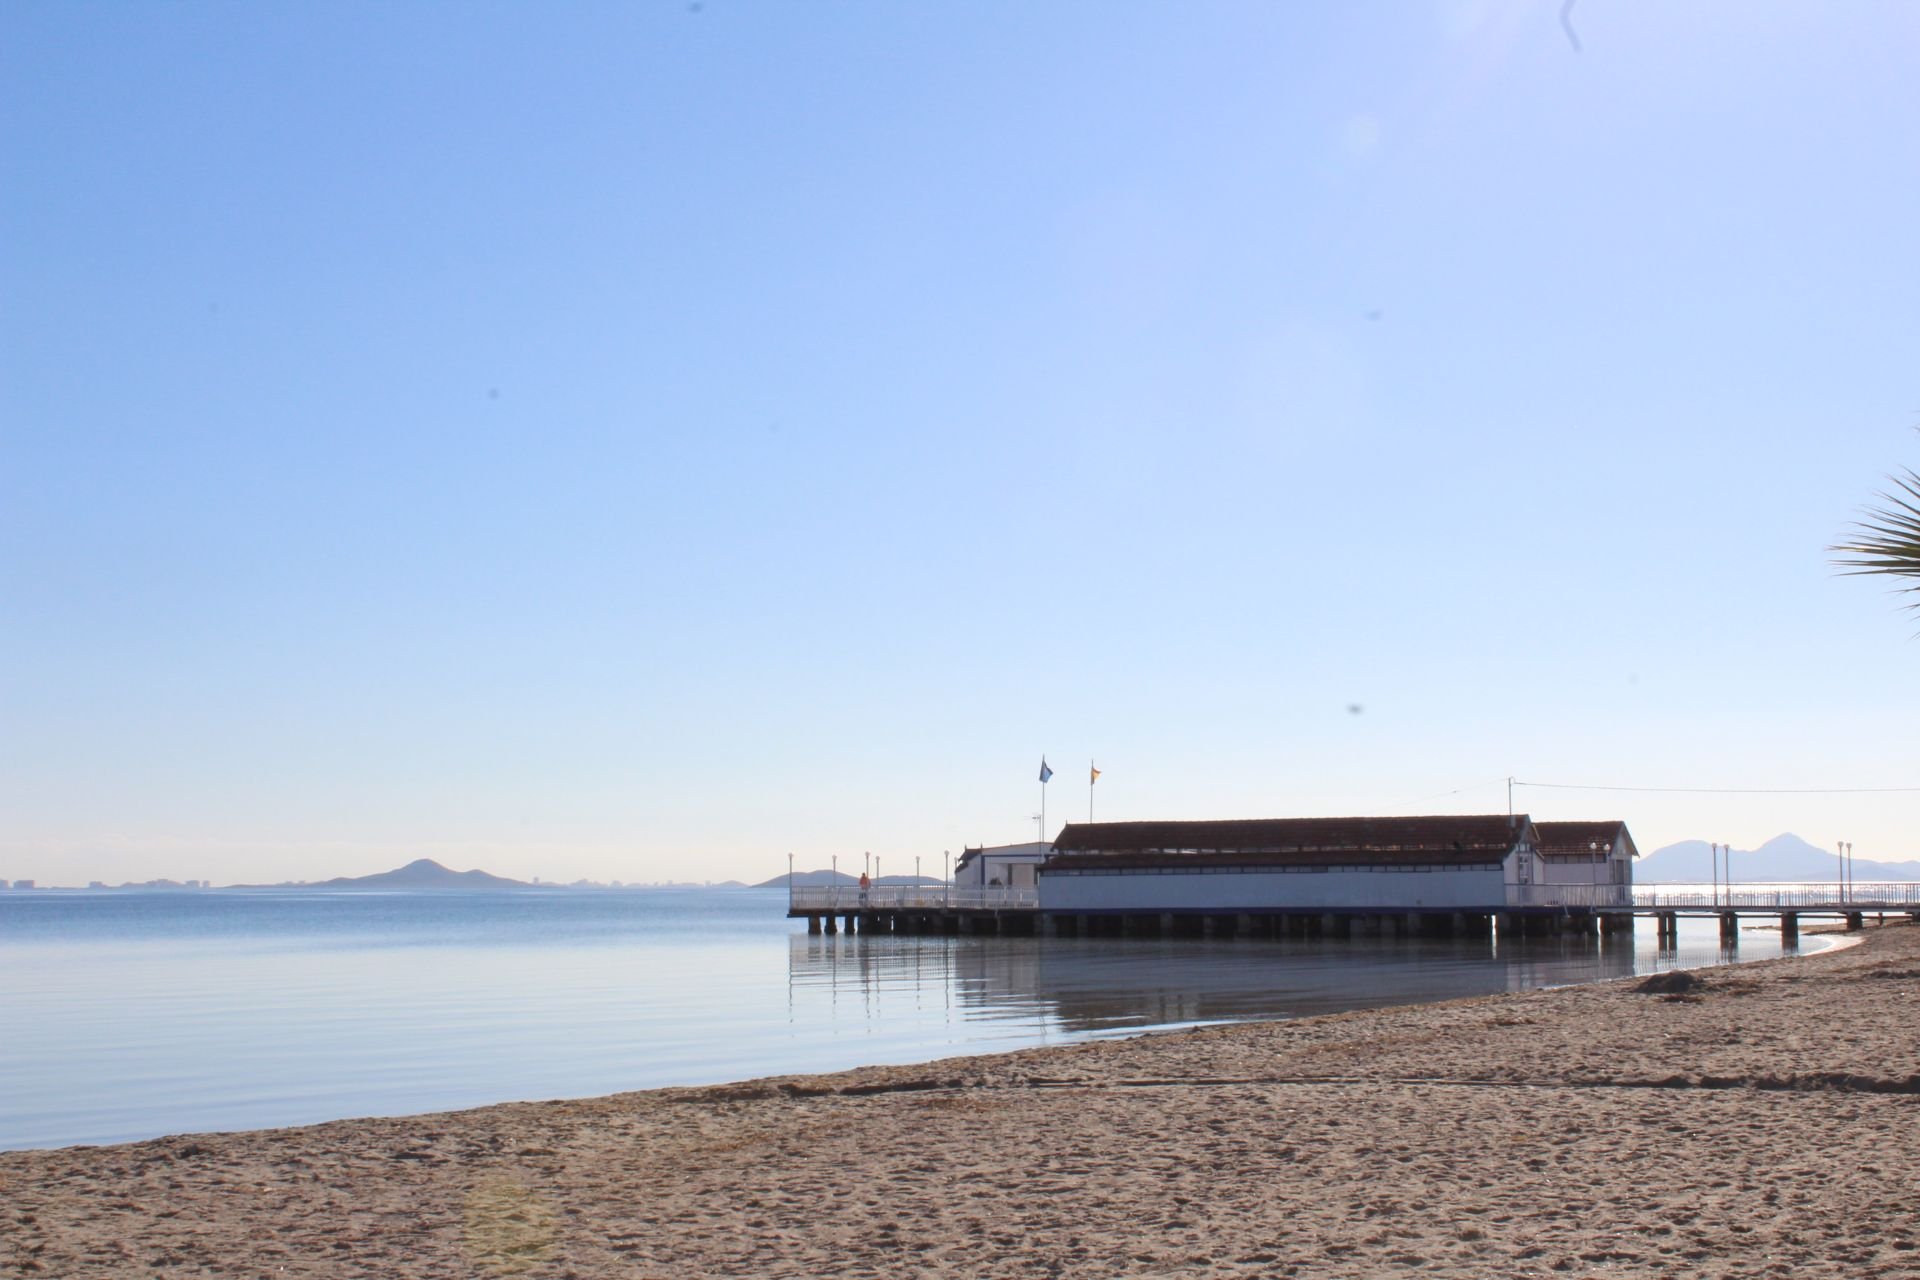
[1092,777]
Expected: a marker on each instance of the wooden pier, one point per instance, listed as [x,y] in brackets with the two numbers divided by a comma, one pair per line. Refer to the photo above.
[1535,911]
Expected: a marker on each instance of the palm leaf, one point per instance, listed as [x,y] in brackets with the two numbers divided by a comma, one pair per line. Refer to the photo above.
[1888,539]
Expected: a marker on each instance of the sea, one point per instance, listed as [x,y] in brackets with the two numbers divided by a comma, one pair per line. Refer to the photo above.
[127,1015]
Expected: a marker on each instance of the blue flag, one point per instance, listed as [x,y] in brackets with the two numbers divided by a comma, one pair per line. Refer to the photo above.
[1045,772]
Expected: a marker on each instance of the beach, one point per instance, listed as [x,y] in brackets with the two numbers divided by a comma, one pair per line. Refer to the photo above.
[1749,1121]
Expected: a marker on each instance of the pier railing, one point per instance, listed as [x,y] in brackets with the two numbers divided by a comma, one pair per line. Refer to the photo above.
[1782,897]
[1829,897]
[847,899]
[1570,895]
[836,899]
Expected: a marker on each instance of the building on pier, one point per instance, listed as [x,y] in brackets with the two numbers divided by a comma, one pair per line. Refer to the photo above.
[1003,866]
[1474,863]
[1585,853]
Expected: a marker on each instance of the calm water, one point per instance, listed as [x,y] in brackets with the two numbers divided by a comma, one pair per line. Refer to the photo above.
[130,1015]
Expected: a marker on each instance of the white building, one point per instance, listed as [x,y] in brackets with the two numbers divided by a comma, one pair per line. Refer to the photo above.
[1585,853]
[1476,863]
[1004,866]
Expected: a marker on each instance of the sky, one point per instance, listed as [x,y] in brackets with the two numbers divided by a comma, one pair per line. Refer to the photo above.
[642,441]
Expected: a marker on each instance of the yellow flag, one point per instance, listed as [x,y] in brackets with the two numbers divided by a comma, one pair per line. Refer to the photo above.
[1096,775]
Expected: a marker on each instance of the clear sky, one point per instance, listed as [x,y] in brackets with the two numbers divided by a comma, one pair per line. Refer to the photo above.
[640,440]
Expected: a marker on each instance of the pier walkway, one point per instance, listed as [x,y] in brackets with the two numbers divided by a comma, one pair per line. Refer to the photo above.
[1529,909]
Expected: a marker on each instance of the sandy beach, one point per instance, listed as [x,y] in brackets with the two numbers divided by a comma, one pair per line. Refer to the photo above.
[1757,1122]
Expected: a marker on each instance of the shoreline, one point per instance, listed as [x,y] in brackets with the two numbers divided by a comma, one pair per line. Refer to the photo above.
[1469,1137]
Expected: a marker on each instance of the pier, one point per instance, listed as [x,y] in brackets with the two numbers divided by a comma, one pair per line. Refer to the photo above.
[915,909]
[1530,910]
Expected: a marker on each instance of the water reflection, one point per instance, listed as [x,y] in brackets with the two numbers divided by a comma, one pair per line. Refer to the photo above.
[1077,987]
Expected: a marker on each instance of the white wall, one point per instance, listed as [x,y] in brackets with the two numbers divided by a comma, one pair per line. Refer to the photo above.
[1271,890]
[1554,871]
[1614,867]
[1012,866]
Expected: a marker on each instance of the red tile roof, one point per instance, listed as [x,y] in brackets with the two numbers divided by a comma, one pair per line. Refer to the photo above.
[1438,840]
[1576,839]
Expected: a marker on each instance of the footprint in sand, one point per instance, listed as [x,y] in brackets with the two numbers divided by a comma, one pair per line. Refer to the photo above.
[509,1229]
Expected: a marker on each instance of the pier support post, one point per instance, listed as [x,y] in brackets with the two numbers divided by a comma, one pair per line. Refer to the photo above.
[1789,929]
[1729,929]
[813,924]
[1856,921]
[830,925]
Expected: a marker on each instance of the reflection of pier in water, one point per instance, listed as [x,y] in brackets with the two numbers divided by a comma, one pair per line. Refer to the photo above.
[1086,986]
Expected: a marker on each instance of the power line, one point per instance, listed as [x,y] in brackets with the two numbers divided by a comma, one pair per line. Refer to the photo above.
[1728,791]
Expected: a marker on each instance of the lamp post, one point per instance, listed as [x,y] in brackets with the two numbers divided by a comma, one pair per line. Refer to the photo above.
[1840,848]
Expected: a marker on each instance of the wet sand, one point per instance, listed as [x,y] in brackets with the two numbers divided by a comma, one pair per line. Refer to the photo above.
[1761,1123]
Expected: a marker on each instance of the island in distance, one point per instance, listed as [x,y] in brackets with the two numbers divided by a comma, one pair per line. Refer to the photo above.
[421,873]
[425,873]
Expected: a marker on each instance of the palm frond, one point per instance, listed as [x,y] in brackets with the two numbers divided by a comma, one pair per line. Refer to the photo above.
[1888,539]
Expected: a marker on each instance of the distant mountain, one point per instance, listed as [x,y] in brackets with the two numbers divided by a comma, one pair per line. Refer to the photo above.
[1784,858]
[422,873]
[810,880]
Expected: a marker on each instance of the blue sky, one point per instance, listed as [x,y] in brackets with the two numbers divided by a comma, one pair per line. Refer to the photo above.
[641,440]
